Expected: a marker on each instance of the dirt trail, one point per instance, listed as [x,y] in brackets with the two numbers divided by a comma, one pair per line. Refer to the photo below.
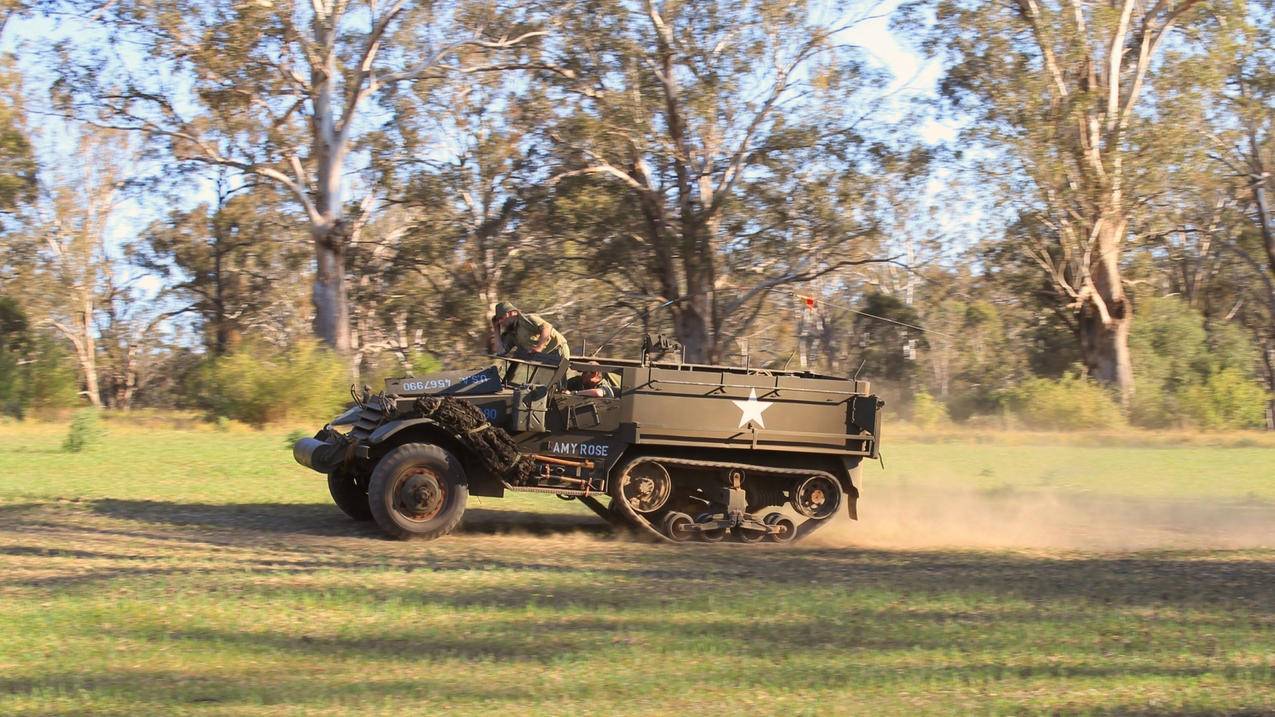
[903,516]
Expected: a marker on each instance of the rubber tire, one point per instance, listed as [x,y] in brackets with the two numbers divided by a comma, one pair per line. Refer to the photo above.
[668,529]
[410,455]
[789,535]
[348,496]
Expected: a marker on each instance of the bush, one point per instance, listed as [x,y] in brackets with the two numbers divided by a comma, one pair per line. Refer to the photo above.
[388,365]
[258,385]
[927,412]
[1227,400]
[1070,402]
[86,431]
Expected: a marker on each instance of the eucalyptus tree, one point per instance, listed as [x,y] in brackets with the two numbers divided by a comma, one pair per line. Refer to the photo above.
[471,232]
[286,92]
[1056,91]
[17,160]
[69,268]
[222,263]
[1245,140]
[684,131]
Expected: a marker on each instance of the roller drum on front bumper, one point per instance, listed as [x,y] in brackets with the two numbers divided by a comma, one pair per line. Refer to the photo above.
[318,455]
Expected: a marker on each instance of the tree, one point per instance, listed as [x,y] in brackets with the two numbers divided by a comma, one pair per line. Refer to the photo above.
[467,229]
[73,219]
[1058,89]
[17,161]
[689,131]
[1244,139]
[223,264]
[282,91]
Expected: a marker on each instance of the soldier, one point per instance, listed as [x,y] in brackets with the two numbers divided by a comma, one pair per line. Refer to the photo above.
[591,383]
[526,336]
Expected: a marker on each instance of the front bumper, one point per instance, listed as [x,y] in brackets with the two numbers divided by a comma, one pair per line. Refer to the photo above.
[322,455]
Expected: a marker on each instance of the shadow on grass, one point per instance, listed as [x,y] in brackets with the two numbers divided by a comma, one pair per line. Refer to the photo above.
[307,538]
[326,520]
[561,601]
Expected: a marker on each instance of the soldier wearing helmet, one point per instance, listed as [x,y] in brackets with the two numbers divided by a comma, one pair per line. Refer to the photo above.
[526,336]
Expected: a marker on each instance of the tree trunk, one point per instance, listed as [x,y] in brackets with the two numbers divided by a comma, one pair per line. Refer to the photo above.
[330,297]
[1264,221]
[1105,349]
[1104,340]
[692,331]
[331,309]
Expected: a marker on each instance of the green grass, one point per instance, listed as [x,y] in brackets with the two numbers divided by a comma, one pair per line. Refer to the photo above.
[1189,472]
[202,573]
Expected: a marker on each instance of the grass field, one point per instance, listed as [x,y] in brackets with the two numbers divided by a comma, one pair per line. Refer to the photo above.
[202,573]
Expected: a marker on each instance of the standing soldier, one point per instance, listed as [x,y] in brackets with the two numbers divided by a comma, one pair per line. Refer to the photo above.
[526,336]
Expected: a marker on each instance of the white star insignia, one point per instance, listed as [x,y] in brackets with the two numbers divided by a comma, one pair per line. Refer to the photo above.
[752,409]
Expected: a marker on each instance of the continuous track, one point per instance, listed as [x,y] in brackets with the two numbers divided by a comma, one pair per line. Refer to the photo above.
[636,519]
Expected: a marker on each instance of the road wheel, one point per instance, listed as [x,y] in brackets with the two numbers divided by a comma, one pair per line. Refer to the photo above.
[677,526]
[348,495]
[417,490]
[787,528]
[716,535]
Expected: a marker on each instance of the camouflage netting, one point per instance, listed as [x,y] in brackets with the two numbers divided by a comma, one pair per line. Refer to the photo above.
[491,444]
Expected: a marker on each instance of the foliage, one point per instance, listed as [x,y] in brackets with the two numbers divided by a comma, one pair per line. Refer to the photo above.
[283,94]
[1188,374]
[390,365]
[1061,97]
[35,371]
[1069,403]
[223,262]
[673,167]
[85,432]
[258,385]
[49,379]
[1169,350]
[886,345]
[708,152]
[927,412]
[1227,399]
[17,160]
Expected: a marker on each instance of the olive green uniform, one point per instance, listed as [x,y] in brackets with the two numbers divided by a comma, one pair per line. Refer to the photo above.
[576,383]
[525,334]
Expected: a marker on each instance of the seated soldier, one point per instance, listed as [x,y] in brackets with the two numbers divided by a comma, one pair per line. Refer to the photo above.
[526,336]
[591,383]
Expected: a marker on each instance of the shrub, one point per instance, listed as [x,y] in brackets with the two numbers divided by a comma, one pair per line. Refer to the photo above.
[927,412]
[258,385]
[388,365]
[86,431]
[1070,402]
[1227,400]
[294,436]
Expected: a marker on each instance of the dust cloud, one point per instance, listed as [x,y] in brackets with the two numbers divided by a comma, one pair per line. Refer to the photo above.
[900,515]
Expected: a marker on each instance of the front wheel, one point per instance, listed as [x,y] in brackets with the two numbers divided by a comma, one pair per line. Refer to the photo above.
[417,490]
[348,495]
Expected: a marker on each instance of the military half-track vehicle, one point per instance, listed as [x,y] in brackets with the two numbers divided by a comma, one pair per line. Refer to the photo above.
[682,452]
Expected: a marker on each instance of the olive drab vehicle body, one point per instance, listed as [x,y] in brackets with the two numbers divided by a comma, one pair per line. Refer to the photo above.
[681,452]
